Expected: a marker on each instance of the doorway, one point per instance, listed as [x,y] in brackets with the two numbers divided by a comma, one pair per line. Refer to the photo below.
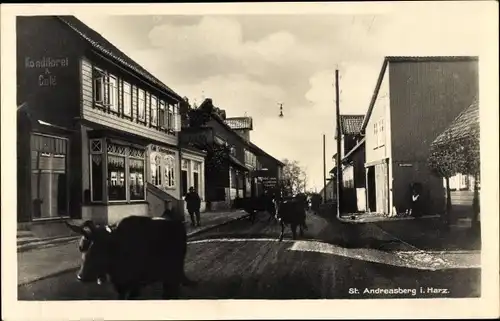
[184,177]
[49,177]
[371,190]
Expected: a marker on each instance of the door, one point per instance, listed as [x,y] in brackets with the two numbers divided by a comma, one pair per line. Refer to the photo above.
[381,182]
[196,179]
[370,177]
[49,177]
[184,182]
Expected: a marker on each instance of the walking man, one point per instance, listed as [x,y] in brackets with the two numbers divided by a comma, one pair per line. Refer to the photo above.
[193,202]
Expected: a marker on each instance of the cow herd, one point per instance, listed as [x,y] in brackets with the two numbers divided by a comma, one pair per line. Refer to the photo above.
[287,211]
[139,250]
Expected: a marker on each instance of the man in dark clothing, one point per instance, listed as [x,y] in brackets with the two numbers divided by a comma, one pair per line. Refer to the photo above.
[193,202]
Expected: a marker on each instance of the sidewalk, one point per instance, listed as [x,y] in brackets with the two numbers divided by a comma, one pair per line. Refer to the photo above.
[47,258]
[421,241]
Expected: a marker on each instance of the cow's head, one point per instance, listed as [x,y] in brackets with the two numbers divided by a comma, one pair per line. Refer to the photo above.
[95,246]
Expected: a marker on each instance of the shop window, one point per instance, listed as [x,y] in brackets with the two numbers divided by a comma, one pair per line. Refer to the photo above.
[162,170]
[169,171]
[136,173]
[116,178]
[124,176]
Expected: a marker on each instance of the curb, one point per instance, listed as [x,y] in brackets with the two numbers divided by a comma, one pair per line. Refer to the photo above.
[44,243]
[384,219]
[217,225]
[52,241]
[70,269]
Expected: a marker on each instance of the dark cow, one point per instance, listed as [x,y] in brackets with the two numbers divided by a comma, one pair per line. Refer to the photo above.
[136,252]
[254,205]
[291,211]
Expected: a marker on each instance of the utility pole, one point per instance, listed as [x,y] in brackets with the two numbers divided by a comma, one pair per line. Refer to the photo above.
[324,168]
[339,159]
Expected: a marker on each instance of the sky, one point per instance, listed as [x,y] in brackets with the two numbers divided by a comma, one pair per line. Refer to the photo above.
[249,64]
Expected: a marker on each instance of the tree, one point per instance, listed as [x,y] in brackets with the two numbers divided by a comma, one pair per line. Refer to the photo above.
[457,155]
[293,177]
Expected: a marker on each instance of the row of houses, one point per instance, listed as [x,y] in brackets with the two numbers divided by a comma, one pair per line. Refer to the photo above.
[100,138]
[415,101]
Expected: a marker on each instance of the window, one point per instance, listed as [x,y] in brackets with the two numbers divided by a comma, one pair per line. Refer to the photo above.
[162,115]
[156,175]
[169,171]
[96,169]
[99,84]
[141,105]
[177,118]
[250,159]
[136,173]
[381,134]
[378,132]
[124,175]
[127,99]
[162,170]
[154,111]
[170,121]
[196,176]
[105,90]
[112,91]
[116,173]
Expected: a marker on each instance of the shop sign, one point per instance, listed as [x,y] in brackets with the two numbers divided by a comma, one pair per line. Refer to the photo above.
[46,78]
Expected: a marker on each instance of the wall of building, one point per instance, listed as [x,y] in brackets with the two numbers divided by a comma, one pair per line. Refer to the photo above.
[114,121]
[191,158]
[47,79]
[54,87]
[379,148]
[378,145]
[112,214]
[425,98]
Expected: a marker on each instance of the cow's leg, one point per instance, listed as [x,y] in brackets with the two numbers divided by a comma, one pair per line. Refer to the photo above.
[294,230]
[301,230]
[282,231]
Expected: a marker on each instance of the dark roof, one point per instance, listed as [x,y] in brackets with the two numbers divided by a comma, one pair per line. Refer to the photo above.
[105,47]
[466,124]
[225,125]
[391,59]
[351,124]
[430,58]
[260,150]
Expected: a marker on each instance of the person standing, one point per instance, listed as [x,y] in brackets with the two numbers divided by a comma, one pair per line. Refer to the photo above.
[193,202]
